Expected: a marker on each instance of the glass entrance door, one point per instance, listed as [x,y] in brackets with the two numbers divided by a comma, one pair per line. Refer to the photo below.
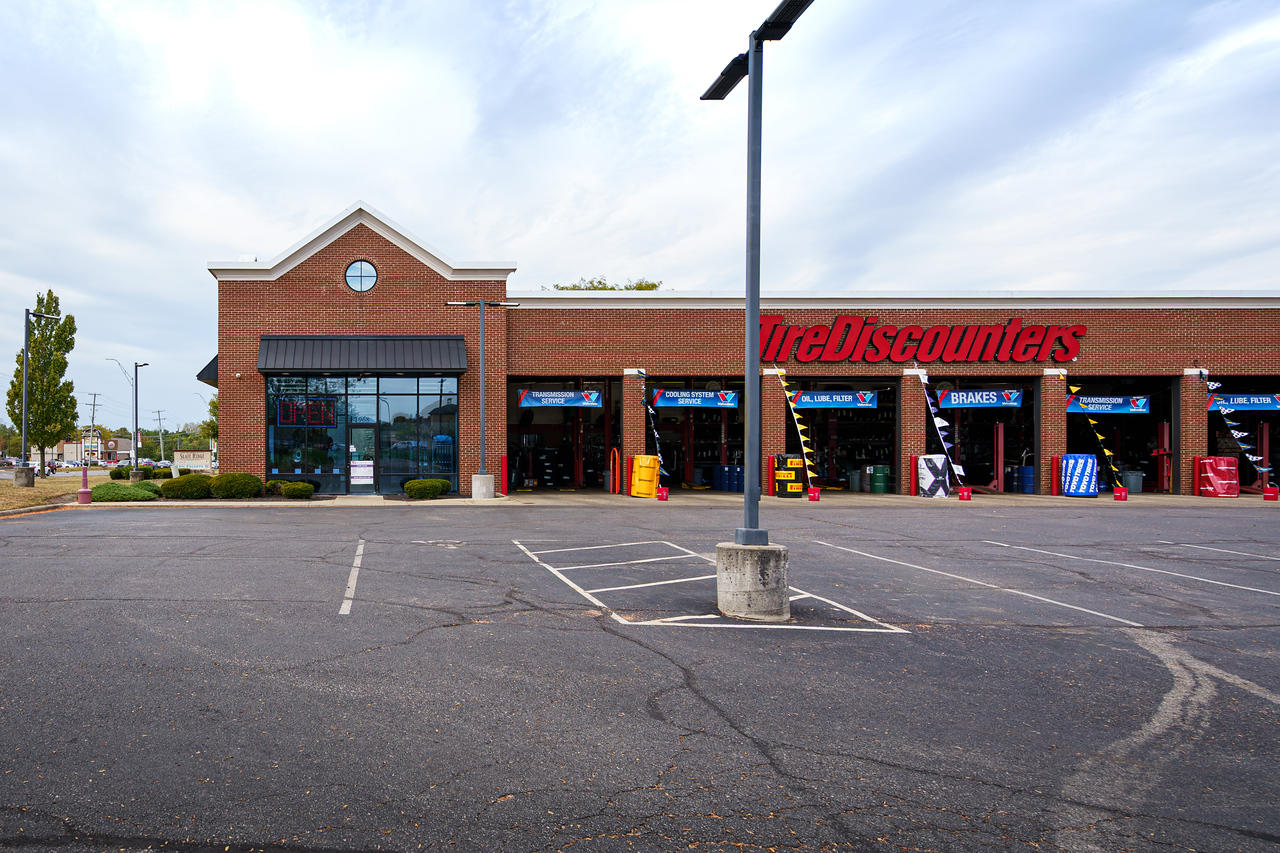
[362,444]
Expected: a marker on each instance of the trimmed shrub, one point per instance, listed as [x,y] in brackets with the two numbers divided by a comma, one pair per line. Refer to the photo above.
[235,486]
[426,489]
[162,474]
[182,472]
[120,473]
[149,486]
[298,491]
[112,492]
[273,486]
[187,487]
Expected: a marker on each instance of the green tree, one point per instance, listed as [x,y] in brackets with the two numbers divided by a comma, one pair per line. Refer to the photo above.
[51,402]
[601,284]
[209,428]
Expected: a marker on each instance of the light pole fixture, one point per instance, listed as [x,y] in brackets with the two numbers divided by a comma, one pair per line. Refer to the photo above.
[482,303]
[751,65]
[26,347]
[137,439]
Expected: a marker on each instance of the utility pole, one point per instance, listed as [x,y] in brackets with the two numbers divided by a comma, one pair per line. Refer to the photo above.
[93,418]
[160,425]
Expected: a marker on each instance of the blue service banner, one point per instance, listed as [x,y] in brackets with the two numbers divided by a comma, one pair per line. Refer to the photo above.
[1245,402]
[1109,405]
[691,398]
[572,399]
[834,399]
[985,399]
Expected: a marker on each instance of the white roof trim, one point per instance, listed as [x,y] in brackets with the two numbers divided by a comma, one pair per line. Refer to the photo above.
[359,214]
[1027,300]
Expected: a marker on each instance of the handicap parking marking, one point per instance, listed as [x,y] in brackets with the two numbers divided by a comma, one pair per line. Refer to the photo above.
[696,620]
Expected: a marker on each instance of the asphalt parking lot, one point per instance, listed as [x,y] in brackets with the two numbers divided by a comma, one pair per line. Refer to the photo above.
[550,673]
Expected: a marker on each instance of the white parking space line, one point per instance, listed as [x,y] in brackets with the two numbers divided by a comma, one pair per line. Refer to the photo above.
[1223,550]
[628,562]
[983,583]
[1132,566]
[655,583]
[598,547]
[699,620]
[345,609]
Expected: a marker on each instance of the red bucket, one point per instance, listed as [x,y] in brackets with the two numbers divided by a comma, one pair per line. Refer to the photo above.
[814,493]
[1122,494]
[1271,493]
[966,493]
[662,493]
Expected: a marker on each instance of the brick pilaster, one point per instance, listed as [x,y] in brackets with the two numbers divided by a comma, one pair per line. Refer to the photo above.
[635,425]
[1193,429]
[773,424]
[913,426]
[1052,429]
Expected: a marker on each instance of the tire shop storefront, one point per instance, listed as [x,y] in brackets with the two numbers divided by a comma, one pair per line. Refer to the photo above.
[342,362]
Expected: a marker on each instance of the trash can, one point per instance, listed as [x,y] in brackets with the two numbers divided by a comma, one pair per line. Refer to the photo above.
[788,476]
[855,480]
[1026,479]
[1080,475]
[644,477]
[1132,480]
[879,479]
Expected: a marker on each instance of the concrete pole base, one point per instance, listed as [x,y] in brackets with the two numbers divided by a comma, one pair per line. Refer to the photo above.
[135,476]
[24,475]
[751,582]
[481,487]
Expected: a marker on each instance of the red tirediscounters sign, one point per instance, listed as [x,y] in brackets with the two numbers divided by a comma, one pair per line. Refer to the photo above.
[862,339]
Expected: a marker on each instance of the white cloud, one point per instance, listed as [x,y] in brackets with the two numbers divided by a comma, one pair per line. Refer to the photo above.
[980,145]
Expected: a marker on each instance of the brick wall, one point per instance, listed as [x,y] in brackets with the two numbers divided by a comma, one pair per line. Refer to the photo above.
[561,342]
[313,299]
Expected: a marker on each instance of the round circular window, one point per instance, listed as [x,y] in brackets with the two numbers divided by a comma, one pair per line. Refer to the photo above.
[361,276]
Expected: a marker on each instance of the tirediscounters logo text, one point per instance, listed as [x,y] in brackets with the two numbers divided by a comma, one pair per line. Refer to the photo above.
[861,339]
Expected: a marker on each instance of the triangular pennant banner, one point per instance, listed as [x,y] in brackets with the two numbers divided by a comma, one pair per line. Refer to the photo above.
[1245,446]
[1253,458]
[1239,433]
[1092,421]
[1214,386]
[939,422]
[1074,389]
[1226,411]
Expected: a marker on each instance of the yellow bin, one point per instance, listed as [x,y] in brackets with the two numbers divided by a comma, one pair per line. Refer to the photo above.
[644,477]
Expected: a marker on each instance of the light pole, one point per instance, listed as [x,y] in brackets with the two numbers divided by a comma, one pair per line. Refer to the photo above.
[482,303]
[751,575]
[751,65]
[26,348]
[137,439]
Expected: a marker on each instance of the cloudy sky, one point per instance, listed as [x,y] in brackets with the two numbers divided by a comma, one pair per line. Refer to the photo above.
[1100,145]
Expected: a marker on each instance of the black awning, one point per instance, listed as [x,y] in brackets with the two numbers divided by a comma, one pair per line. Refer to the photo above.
[209,373]
[377,354]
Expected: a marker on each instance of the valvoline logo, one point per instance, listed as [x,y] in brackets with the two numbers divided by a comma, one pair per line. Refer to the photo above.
[724,398]
[865,396]
[1136,402]
[1008,396]
[590,397]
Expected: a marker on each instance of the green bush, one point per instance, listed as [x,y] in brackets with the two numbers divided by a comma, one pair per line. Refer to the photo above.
[298,491]
[149,486]
[273,486]
[120,473]
[182,472]
[235,486]
[110,492]
[426,489]
[187,487]
[162,474]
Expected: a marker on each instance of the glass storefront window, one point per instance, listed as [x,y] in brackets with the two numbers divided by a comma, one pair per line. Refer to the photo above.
[312,423]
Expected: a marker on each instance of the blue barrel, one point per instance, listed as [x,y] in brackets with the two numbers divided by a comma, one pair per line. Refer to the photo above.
[719,478]
[1026,479]
[1080,475]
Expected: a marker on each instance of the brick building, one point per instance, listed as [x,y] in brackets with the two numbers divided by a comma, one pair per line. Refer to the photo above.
[341,363]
